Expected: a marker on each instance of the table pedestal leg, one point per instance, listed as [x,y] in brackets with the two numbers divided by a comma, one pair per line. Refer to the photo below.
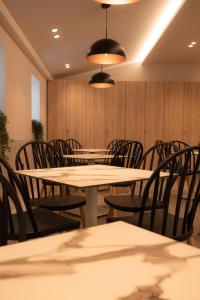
[91,206]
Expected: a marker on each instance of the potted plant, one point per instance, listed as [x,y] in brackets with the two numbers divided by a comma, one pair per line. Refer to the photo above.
[37,130]
[5,140]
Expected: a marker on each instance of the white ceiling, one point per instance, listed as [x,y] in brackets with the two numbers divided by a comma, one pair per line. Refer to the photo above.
[81,22]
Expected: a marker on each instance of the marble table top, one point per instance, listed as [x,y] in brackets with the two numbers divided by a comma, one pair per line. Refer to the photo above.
[116,261]
[91,150]
[89,156]
[89,175]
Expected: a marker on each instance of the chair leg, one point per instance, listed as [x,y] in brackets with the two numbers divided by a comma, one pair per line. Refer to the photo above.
[83,218]
[112,213]
[191,241]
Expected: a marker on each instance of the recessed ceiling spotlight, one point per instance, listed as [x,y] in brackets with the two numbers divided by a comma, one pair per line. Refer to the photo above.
[193,43]
[67,66]
[54,30]
[56,36]
[190,46]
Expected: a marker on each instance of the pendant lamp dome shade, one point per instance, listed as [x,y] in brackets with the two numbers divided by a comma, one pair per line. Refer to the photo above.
[117,2]
[106,51]
[101,80]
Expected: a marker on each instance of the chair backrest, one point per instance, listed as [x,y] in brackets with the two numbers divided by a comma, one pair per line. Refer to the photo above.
[180,144]
[16,188]
[61,146]
[9,201]
[179,226]
[150,160]
[37,155]
[116,145]
[153,157]
[112,143]
[74,144]
[128,155]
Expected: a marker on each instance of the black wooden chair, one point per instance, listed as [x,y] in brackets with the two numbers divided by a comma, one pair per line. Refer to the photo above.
[179,144]
[160,210]
[39,222]
[43,193]
[75,145]
[9,197]
[63,148]
[150,160]
[128,154]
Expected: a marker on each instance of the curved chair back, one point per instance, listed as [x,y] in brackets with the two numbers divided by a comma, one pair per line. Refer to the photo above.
[74,144]
[61,146]
[22,195]
[180,144]
[178,223]
[128,155]
[37,155]
[9,201]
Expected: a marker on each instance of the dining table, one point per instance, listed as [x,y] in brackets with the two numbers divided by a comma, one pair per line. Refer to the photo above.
[90,177]
[90,158]
[115,261]
[91,150]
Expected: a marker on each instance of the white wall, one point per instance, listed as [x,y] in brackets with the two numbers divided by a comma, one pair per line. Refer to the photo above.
[2,77]
[148,72]
[18,72]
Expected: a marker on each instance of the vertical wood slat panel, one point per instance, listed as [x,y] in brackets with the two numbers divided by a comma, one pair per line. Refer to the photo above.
[56,109]
[174,111]
[153,112]
[75,113]
[134,117]
[95,118]
[134,110]
[192,113]
[115,112]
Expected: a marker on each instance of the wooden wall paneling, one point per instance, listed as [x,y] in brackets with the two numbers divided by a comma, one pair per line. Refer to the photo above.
[56,108]
[115,112]
[174,110]
[134,114]
[76,110]
[153,112]
[191,118]
[95,118]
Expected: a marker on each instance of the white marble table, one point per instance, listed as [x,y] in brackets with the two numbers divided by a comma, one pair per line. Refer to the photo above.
[89,157]
[90,177]
[91,150]
[115,261]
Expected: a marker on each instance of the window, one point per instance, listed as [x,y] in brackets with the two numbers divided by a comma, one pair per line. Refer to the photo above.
[2,77]
[35,95]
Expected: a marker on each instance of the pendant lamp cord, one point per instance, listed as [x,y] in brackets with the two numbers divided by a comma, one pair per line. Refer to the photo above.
[101,68]
[106,23]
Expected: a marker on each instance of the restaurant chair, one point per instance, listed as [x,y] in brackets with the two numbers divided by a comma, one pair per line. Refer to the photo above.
[150,160]
[161,209]
[179,144]
[63,148]
[44,193]
[9,198]
[75,145]
[39,222]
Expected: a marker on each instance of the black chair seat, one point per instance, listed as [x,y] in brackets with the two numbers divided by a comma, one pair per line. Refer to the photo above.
[129,203]
[179,236]
[47,222]
[59,202]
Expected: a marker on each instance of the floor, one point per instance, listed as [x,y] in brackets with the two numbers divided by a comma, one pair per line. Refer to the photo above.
[103,207]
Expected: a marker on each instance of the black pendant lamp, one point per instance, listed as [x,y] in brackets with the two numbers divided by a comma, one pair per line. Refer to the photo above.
[101,80]
[106,51]
[117,2]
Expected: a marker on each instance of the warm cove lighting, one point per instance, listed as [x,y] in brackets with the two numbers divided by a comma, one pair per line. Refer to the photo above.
[165,18]
[117,2]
